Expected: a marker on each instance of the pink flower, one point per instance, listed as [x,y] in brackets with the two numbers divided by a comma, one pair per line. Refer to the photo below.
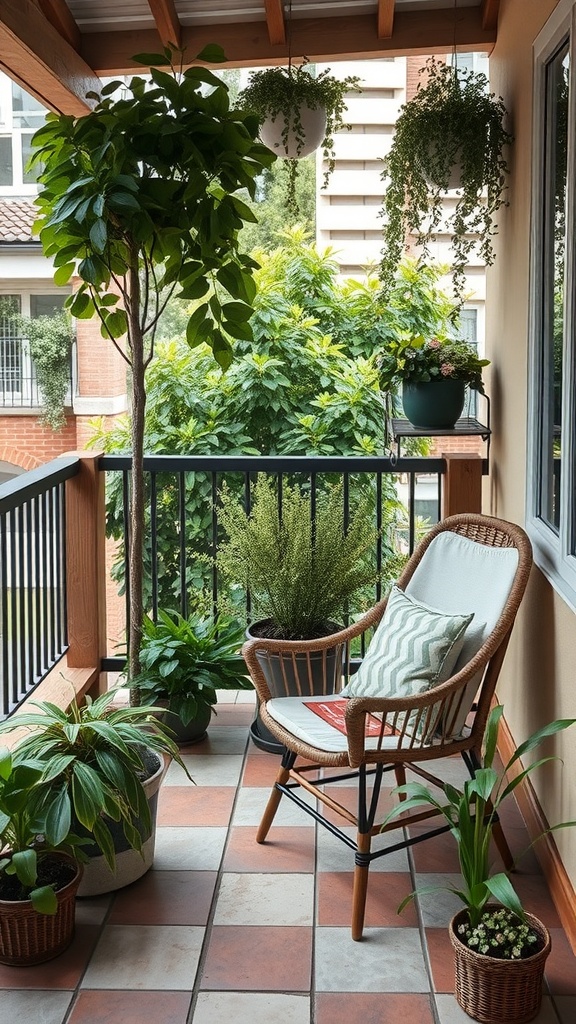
[434,343]
[447,369]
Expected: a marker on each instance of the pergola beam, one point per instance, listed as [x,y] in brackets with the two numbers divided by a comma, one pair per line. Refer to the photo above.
[35,55]
[167,23]
[275,21]
[490,9]
[58,14]
[320,39]
[385,18]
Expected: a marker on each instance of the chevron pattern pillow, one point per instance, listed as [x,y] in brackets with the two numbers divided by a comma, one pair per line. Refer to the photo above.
[414,648]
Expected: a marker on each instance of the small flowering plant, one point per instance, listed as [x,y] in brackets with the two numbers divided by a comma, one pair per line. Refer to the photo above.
[415,359]
[471,813]
[499,934]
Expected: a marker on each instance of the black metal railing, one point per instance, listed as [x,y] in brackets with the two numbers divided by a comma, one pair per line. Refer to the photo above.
[183,531]
[33,630]
[18,384]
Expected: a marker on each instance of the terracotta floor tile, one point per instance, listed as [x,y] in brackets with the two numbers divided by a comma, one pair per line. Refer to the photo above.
[287,849]
[560,971]
[385,892]
[260,768]
[195,805]
[263,959]
[372,1008]
[536,899]
[441,959]
[166,897]
[94,1007]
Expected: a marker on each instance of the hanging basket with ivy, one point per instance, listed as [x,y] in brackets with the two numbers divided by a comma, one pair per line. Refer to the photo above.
[293,102]
[453,123]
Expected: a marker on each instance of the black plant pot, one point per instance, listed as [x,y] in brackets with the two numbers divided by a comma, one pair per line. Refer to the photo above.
[291,676]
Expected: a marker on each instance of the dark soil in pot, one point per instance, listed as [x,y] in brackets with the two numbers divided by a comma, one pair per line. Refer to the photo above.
[52,870]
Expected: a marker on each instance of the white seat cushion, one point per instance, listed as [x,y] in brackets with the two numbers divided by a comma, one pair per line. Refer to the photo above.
[293,715]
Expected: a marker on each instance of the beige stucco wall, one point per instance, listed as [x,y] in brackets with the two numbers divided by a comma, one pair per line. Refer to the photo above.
[538,682]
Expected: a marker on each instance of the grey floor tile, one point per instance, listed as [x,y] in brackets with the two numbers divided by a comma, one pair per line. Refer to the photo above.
[145,957]
[334,855]
[386,960]
[224,739]
[194,848]
[265,899]
[206,770]
[566,1008]
[19,1005]
[450,1013]
[251,1008]
[438,907]
[252,802]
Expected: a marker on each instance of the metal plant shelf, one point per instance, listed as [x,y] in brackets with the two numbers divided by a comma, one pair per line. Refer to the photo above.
[467,426]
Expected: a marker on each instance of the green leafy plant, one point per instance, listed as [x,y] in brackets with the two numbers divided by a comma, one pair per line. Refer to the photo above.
[283,92]
[92,764]
[499,935]
[301,568]
[471,813]
[416,359]
[185,660]
[452,120]
[50,339]
[27,846]
[138,199]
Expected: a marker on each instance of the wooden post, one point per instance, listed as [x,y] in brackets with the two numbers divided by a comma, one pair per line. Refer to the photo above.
[462,484]
[85,560]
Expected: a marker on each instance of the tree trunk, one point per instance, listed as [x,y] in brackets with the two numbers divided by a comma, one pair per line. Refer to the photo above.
[136,509]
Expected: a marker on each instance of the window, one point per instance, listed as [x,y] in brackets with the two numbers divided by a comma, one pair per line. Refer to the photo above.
[551,448]
[18,386]
[20,116]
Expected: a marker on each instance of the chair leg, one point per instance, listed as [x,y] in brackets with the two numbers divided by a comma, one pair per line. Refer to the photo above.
[275,796]
[360,886]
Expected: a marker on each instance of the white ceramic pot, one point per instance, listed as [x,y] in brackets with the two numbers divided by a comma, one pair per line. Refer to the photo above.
[314,129]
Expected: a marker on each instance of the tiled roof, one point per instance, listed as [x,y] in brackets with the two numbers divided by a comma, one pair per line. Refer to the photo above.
[16,219]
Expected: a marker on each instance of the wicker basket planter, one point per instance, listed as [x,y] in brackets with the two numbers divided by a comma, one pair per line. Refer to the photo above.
[499,991]
[28,937]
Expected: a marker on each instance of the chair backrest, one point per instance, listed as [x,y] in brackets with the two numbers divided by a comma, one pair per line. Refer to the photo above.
[472,563]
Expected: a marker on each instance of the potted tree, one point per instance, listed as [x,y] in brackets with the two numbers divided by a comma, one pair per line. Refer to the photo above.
[434,374]
[138,202]
[301,568]
[453,122]
[39,878]
[500,951]
[184,662]
[101,766]
[298,112]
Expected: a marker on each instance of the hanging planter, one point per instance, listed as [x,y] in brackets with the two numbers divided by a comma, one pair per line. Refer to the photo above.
[451,135]
[299,112]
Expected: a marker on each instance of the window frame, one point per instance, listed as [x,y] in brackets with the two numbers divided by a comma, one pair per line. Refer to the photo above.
[554,552]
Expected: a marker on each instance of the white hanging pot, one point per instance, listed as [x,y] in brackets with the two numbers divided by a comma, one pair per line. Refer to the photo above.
[313,130]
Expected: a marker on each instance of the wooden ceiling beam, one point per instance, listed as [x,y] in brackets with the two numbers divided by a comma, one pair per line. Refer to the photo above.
[321,39]
[385,18]
[167,23]
[490,9]
[34,54]
[58,14]
[275,21]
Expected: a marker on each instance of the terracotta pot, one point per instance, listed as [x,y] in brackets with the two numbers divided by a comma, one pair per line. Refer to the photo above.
[499,991]
[27,937]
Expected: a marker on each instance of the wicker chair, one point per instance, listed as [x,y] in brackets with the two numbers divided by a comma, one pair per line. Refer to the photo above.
[467,563]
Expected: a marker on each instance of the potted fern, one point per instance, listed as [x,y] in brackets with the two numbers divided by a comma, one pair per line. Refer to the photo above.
[298,111]
[452,134]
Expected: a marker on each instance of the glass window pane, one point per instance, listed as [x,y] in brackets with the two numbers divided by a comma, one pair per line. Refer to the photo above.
[555,168]
[46,305]
[26,111]
[5,160]
[11,355]
[28,177]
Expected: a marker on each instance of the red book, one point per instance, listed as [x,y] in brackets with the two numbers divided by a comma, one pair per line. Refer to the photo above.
[333,712]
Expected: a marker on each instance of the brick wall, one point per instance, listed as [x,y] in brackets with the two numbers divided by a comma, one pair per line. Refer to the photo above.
[26,442]
[101,368]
